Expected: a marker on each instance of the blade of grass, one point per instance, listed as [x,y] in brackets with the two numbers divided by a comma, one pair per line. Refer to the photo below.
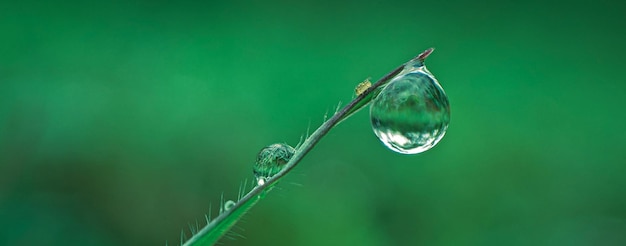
[218,227]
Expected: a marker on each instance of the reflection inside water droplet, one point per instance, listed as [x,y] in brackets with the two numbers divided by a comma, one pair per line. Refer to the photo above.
[271,160]
[411,113]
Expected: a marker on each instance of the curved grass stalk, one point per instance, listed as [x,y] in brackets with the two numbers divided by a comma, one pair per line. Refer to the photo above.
[227,218]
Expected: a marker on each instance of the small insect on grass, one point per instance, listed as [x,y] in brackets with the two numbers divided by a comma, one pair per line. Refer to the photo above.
[362,87]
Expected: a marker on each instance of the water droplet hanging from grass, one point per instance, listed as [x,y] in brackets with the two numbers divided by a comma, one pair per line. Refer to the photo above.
[271,160]
[228,205]
[411,113]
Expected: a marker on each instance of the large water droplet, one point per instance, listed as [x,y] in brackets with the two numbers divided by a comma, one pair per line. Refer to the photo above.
[411,113]
[271,160]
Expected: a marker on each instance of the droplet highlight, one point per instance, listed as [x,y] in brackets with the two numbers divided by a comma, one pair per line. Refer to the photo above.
[271,160]
[411,113]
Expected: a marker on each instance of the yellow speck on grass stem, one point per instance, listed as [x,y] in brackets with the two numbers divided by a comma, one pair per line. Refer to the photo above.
[362,87]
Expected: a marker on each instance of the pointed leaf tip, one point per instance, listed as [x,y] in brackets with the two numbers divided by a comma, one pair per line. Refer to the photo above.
[421,57]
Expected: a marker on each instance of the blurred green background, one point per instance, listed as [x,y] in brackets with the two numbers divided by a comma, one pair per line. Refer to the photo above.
[120,123]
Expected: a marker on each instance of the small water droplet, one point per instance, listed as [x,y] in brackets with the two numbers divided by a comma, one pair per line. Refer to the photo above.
[228,205]
[260,180]
[411,113]
[271,160]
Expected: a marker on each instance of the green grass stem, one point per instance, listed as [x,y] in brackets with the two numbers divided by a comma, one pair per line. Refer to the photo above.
[219,226]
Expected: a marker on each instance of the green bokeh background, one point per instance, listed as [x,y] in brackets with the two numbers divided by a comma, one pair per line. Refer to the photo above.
[120,123]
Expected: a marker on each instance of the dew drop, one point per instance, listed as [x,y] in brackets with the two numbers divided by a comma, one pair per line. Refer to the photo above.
[260,180]
[411,113]
[271,160]
[228,205]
